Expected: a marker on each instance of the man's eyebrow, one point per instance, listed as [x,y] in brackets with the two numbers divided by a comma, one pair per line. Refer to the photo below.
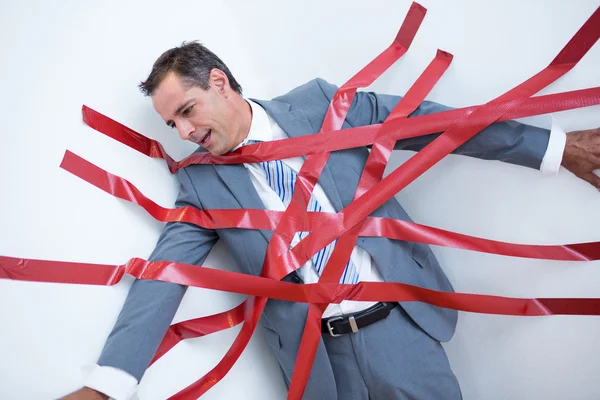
[180,109]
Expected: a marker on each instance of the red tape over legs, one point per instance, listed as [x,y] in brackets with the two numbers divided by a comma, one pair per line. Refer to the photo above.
[348,224]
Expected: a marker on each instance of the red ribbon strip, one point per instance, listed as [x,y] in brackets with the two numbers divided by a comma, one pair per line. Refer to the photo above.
[199,327]
[234,282]
[339,140]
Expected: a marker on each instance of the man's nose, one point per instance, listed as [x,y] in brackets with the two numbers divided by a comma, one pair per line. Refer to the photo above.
[185,130]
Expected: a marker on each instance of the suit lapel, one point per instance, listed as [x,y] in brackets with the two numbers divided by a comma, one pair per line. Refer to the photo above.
[295,123]
[237,179]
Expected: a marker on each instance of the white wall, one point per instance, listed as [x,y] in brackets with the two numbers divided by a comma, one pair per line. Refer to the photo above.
[56,57]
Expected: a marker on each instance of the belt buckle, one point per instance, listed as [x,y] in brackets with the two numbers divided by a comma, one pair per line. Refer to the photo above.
[330,328]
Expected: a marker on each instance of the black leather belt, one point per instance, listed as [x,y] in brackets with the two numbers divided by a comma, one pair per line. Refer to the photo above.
[343,324]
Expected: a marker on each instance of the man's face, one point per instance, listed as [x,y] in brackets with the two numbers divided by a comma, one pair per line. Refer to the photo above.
[205,117]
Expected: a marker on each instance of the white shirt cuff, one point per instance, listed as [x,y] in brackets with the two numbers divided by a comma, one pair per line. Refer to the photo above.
[113,382]
[554,153]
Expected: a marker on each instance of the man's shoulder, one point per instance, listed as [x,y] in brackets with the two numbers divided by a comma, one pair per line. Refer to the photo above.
[317,88]
[183,174]
[312,98]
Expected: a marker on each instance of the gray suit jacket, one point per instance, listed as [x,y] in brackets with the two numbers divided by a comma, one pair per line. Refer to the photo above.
[150,306]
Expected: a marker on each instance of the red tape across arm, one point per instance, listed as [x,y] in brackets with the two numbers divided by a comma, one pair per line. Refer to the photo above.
[351,137]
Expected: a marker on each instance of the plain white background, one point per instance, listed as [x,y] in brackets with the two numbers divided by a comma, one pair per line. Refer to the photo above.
[57,56]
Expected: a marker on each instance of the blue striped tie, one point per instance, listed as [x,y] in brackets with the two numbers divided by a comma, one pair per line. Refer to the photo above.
[282,178]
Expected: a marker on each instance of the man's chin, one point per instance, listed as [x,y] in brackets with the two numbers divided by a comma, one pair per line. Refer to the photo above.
[215,151]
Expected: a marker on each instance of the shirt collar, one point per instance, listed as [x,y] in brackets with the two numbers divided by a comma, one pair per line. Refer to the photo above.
[260,127]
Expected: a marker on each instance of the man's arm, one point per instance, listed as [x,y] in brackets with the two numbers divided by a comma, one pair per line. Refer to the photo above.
[508,141]
[150,305]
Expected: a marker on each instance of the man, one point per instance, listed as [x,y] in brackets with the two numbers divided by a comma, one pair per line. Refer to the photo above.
[396,353]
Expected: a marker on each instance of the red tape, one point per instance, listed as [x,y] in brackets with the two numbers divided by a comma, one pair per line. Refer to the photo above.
[198,327]
[345,138]
[234,282]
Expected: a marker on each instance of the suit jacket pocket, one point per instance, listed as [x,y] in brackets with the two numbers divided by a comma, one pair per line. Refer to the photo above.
[271,336]
[421,253]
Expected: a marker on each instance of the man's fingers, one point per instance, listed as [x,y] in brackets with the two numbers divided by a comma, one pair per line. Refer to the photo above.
[592,179]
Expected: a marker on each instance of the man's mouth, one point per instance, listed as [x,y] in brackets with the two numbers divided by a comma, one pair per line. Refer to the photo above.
[204,139]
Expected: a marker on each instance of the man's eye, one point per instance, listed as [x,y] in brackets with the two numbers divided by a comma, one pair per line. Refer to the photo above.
[187,111]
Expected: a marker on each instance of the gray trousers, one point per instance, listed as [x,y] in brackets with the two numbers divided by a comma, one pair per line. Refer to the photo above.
[410,364]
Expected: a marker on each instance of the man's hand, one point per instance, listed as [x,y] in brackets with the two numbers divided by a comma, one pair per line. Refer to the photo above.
[582,155]
[85,393]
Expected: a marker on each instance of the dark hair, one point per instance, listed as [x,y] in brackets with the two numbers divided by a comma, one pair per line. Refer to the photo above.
[192,62]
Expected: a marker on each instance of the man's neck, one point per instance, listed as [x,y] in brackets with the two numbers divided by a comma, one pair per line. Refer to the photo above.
[245,118]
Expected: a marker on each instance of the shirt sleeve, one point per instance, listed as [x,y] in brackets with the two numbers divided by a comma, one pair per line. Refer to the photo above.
[554,153]
[113,382]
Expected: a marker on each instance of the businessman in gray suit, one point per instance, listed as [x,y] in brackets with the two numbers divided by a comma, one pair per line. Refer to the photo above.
[368,350]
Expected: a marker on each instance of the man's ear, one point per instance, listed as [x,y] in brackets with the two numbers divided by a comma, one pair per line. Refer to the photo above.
[218,79]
